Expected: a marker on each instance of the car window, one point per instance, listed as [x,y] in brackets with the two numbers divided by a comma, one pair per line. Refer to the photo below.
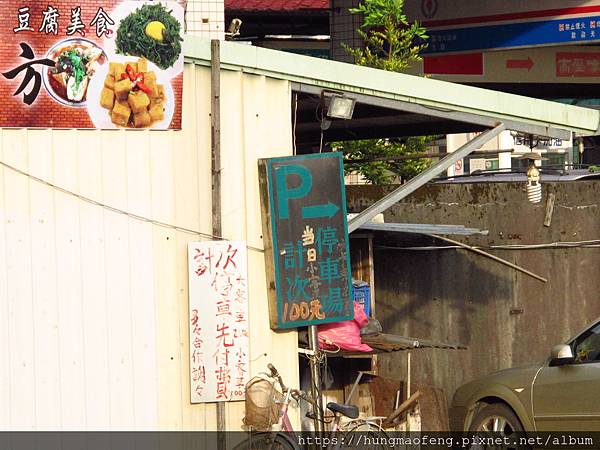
[586,347]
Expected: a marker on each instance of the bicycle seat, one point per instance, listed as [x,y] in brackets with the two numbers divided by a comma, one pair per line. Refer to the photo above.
[350,411]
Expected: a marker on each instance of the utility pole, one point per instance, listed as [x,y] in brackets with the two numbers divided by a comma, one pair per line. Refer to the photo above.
[217,230]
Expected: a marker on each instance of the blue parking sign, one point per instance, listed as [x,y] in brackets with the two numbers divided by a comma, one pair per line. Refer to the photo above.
[305,232]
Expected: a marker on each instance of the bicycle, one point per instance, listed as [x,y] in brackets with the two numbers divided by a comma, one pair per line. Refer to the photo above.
[281,436]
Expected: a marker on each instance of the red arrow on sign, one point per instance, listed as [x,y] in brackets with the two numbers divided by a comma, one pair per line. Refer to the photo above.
[519,63]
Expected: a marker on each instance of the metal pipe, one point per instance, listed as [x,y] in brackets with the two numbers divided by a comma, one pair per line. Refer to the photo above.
[495,258]
[354,386]
[422,156]
[423,178]
[315,374]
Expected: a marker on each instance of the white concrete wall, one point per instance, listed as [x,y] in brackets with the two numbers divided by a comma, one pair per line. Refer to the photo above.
[94,304]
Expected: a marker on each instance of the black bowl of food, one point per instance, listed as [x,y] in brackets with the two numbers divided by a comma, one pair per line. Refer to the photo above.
[76,62]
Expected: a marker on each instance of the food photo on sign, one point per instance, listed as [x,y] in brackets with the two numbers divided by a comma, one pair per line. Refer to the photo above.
[102,65]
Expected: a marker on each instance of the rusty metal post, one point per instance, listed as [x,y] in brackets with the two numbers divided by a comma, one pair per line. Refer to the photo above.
[315,375]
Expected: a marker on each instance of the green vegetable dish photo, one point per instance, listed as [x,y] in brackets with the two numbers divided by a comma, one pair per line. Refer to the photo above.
[151,32]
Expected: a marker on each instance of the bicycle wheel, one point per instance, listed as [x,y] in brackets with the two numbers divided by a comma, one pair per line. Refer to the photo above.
[365,435]
[267,441]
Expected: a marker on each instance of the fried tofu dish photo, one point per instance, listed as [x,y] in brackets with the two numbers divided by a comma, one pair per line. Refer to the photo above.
[132,95]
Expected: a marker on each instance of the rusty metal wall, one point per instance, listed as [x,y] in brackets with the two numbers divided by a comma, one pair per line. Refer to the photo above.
[504,317]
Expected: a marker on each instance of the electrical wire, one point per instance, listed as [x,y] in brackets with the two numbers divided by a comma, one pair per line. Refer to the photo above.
[120,211]
[551,245]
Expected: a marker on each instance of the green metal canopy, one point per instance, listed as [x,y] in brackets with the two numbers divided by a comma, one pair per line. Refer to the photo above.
[393,104]
[396,105]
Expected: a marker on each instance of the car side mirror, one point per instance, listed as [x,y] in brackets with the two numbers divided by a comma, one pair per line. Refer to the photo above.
[561,354]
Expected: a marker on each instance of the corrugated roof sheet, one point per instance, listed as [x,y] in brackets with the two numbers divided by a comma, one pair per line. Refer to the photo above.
[393,343]
[420,228]
[398,89]
[275,5]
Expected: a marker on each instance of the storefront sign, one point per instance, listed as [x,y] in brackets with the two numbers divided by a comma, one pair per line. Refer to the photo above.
[439,13]
[306,238]
[512,35]
[91,64]
[569,64]
[219,344]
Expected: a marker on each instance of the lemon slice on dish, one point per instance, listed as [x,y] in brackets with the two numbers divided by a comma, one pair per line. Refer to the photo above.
[155,30]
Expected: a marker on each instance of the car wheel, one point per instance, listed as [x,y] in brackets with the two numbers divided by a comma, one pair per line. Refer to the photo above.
[498,418]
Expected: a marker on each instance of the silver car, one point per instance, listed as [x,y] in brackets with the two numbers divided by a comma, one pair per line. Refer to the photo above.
[560,394]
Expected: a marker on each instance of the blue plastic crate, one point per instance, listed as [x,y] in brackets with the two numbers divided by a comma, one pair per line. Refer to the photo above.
[362,295]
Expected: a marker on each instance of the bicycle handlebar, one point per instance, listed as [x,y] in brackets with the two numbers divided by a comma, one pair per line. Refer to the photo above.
[295,393]
[275,374]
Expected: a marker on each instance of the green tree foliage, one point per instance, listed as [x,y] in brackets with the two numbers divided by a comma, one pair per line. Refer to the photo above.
[390,43]
[362,157]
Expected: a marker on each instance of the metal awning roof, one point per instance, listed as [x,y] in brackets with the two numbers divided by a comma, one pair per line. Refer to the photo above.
[423,228]
[393,104]
[390,342]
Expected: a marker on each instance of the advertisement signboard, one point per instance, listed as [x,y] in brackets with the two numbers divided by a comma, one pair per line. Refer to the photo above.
[438,13]
[219,334]
[568,64]
[512,35]
[305,232]
[108,64]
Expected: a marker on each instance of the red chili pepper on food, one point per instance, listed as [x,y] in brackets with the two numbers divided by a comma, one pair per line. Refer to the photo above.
[143,87]
[130,72]
[124,76]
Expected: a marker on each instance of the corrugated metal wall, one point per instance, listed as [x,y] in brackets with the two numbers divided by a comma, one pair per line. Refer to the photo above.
[94,303]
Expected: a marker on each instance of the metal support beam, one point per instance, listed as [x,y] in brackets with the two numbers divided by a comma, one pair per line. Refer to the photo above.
[423,178]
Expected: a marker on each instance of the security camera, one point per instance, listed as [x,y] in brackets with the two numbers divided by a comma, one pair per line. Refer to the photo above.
[234,28]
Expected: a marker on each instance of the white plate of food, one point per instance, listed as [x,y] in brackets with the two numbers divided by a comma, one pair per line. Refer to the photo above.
[149,29]
[77,62]
[130,92]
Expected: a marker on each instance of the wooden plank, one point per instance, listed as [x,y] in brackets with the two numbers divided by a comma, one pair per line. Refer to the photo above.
[433,407]
[404,407]
[359,257]
[549,209]
[44,286]
[215,89]
[372,278]
[268,243]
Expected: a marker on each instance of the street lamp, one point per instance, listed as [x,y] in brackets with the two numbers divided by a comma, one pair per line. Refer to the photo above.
[335,106]
[340,107]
